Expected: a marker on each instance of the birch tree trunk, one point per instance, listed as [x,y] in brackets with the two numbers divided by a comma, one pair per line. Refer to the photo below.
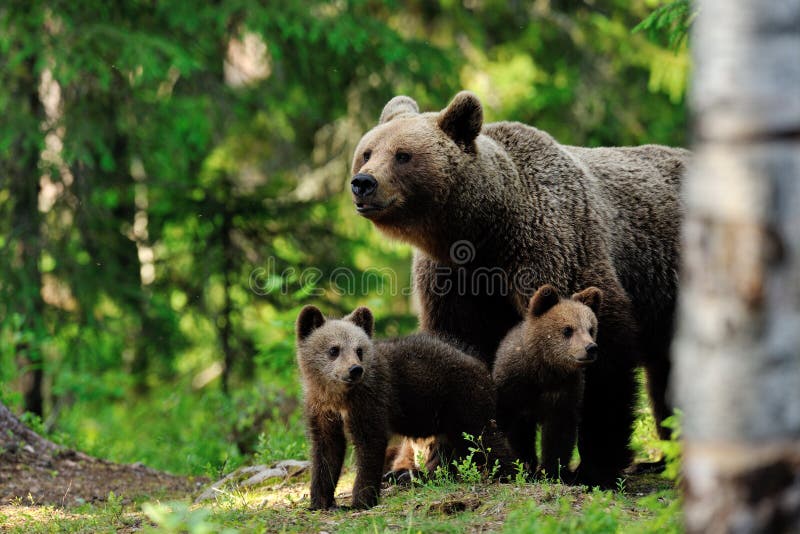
[737,354]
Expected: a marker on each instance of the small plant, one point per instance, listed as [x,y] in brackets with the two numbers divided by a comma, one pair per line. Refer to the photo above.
[442,476]
[469,470]
[621,481]
[520,473]
[113,507]
[672,448]
[422,466]
[552,477]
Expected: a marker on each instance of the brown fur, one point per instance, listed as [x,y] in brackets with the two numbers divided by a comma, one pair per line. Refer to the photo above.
[531,207]
[414,386]
[538,373]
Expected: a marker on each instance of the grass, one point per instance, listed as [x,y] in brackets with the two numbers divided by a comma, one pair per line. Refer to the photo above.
[190,432]
[648,505]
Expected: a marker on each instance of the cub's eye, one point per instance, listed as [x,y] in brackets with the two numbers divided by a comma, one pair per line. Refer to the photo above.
[568,331]
[333,352]
[367,155]
[360,353]
[402,157]
[591,331]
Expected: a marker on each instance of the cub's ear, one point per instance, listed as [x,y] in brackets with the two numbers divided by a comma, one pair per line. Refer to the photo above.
[591,296]
[545,298]
[399,105]
[462,120]
[362,318]
[310,319]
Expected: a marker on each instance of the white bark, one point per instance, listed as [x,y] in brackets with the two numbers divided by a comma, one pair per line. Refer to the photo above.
[737,353]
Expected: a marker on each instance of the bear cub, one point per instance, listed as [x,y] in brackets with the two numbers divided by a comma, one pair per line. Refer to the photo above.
[538,372]
[415,386]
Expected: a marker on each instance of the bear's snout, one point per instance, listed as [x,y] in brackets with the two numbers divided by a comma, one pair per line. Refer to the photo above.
[591,352]
[363,184]
[355,373]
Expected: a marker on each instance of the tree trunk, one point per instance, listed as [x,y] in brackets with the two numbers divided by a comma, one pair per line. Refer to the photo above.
[26,234]
[737,354]
[225,329]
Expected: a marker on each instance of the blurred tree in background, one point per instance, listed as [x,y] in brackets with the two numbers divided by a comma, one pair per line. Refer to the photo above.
[172,180]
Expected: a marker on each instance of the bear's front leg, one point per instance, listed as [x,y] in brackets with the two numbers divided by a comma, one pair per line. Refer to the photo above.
[370,453]
[326,432]
[520,430]
[606,425]
[559,433]
[369,432]
[609,397]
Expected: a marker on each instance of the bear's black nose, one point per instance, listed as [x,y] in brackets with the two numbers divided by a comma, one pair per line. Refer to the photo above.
[363,184]
[591,351]
[355,372]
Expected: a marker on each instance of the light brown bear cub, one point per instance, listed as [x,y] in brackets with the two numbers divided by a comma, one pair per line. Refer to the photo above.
[415,386]
[538,373]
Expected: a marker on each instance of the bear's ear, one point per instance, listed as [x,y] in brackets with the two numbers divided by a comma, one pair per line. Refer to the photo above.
[462,120]
[545,298]
[399,105]
[591,296]
[362,318]
[310,319]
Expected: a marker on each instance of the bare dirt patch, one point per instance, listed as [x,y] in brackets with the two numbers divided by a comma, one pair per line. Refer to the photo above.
[66,478]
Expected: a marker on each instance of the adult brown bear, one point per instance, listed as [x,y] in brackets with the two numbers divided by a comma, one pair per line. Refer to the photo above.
[497,210]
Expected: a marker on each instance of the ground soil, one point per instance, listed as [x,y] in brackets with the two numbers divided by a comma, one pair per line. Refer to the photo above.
[67,477]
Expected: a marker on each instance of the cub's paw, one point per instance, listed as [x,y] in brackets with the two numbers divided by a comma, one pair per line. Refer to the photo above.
[401,477]
[641,468]
[329,508]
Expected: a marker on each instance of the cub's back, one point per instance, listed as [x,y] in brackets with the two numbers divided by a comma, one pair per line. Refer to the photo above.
[436,386]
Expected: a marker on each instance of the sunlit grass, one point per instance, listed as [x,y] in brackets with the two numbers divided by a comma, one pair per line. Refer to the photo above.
[440,507]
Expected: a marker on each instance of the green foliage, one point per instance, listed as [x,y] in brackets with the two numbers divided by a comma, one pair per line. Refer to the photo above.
[520,473]
[467,469]
[282,441]
[179,518]
[163,221]
[598,513]
[113,506]
[672,448]
[473,468]
[671,20]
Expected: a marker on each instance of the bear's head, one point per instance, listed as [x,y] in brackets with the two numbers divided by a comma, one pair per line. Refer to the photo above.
[564,330]
[405,168]
[334,355]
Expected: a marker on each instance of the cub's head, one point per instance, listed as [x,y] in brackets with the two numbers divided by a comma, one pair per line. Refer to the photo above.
[404,168]
[564,330]
[334,354]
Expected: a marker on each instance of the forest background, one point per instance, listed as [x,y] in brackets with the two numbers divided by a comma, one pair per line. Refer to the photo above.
[172,190]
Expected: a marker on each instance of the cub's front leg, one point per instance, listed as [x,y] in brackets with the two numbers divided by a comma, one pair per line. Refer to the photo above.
[559,434]
[370,439]
[326,432]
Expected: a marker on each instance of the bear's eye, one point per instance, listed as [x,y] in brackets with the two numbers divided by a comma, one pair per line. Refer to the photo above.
[360,353]
[402,157]
[568,331]
[367,155]
[591,332]
[333,352]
